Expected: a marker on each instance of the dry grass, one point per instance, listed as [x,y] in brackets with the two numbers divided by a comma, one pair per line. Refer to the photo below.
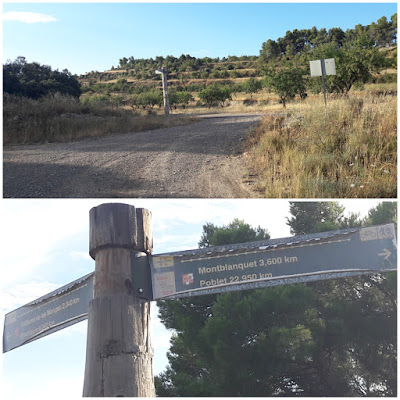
[61,119]
[348,150]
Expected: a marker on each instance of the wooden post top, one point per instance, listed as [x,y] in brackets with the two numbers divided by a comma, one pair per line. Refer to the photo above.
[120,226]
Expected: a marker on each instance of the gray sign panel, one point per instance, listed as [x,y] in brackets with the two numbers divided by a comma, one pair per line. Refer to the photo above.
[57,310]
[275,262]
[323,67]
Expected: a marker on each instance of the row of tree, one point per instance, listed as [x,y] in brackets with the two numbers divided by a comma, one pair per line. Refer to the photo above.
[145,100]
[327,338]
[185,63]
[380,34]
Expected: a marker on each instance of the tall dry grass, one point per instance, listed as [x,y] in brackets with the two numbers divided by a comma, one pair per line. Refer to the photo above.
[348,150]
[63,119]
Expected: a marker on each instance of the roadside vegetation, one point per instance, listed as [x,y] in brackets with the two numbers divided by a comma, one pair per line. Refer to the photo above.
[60,118]
[347,150]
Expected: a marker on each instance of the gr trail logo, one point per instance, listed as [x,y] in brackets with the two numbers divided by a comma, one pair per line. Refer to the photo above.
[188,279]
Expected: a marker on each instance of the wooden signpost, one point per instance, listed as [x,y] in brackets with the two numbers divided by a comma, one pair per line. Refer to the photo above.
[116,298]
[163,72]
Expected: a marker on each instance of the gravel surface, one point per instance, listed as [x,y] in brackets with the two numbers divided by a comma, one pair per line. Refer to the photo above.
[202,159]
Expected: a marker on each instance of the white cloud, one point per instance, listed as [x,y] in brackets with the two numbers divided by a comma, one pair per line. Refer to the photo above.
[27,17]
[19,295]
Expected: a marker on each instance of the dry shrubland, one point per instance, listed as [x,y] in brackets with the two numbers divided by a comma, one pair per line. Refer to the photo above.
[348,150]
[63,119]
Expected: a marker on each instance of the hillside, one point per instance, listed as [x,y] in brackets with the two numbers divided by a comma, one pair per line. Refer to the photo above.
[188,73]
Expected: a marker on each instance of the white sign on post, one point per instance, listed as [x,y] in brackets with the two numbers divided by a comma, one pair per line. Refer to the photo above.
[330,68]
[317,65]
[322,68]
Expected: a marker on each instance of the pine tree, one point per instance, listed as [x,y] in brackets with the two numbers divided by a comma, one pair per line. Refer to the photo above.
[328,338]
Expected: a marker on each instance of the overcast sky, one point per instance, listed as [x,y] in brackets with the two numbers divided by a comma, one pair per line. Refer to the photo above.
[82,37]
[45,246]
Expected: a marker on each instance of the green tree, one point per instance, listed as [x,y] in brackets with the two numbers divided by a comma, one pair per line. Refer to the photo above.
[270,50]
[34,80]
[235,232]
[215,95]
[360,311]
[312,217]
[152,98]
[337,36]
[187,374]
[393,20]
[252,86]
[355,62]
[331,338]
[286,83]
[382,213]
[184,98]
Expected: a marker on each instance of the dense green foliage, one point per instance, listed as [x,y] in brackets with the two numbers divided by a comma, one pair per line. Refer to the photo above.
[355,62]
[321,217]
[252,86]
[329,338]
[235,232]
[34,80]
[215,94]
[297,42]
[185,63]
[286,83]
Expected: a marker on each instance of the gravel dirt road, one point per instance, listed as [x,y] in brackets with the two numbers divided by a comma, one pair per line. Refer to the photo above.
[202,159]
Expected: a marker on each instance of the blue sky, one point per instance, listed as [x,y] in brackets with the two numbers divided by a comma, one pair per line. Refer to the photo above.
[94,36]
[45,246]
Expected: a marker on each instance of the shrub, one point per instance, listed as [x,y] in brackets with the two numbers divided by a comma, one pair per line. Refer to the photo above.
[34,80]
[215,95]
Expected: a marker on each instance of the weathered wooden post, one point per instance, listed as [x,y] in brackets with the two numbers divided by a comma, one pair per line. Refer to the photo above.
[163,72]
[119,353]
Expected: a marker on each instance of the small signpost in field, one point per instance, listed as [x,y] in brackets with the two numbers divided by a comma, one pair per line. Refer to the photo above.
[321,68]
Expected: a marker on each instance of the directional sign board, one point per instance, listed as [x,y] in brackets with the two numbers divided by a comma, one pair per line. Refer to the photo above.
[217,269]
[275,262]
[50,313]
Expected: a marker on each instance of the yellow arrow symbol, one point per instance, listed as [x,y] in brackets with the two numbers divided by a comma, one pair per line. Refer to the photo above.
[386,253]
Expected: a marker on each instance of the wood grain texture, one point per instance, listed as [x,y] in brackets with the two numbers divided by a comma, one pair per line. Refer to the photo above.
[120,225]
[119,353]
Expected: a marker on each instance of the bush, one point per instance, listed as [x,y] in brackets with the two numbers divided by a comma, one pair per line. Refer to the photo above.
[286,83]
[35,81]
[215,95]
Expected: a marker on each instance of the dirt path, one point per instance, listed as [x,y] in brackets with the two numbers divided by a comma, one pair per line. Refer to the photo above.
[197,160]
